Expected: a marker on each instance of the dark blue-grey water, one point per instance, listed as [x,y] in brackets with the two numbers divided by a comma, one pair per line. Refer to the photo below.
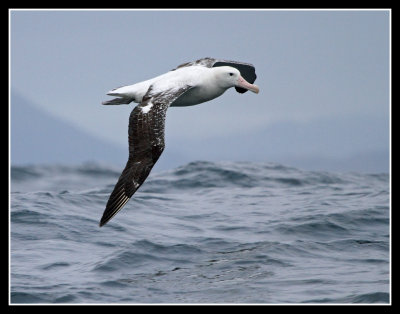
[202,233]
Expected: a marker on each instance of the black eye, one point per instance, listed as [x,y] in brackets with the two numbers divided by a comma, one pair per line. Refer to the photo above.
[231,74]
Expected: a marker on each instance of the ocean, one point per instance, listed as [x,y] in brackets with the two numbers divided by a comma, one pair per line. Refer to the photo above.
[203,233]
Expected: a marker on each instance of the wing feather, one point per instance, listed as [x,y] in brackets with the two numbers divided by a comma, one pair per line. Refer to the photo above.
[146,143]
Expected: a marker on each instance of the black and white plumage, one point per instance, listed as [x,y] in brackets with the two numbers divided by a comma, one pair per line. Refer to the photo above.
[188,84]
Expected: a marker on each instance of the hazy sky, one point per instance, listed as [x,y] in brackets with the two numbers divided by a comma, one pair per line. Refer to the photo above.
[310,65]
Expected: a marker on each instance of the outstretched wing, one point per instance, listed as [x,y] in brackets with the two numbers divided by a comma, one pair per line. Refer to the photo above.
[146,143]
[247,70]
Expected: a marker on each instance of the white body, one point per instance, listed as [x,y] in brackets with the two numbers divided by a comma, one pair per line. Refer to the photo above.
[207,84]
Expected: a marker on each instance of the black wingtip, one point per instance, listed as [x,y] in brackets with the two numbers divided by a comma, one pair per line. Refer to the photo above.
[104,220]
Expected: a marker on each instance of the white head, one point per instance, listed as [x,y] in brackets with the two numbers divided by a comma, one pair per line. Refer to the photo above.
[229,77]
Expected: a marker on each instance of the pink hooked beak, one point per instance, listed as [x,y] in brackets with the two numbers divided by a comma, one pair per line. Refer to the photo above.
[241,82]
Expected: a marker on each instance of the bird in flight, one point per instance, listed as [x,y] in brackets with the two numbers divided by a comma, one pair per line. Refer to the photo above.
[188,84]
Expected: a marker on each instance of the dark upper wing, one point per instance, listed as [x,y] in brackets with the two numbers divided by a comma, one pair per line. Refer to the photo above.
[247,70]
[146,143]
[206,62]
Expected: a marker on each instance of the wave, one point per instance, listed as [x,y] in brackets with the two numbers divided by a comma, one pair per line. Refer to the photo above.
[28,172]
[200,174]
[208,232]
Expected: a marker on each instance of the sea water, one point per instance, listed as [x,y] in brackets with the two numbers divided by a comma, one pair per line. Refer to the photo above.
[224,233]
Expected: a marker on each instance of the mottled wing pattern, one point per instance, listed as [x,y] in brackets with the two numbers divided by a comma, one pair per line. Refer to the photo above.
[146,143]
[206,62]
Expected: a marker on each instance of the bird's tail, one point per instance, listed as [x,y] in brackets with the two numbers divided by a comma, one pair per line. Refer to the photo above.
[118,101]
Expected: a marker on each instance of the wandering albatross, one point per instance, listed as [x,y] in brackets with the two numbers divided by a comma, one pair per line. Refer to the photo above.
[188,84]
